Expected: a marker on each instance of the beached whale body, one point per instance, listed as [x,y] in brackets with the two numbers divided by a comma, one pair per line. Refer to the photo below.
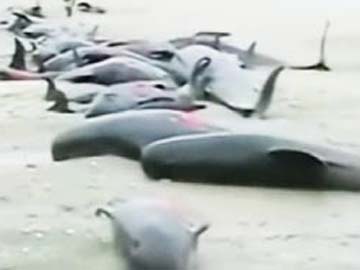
[17,69]
[55,46]
[151,234]
[248,56]
[140,96]
[255,160]
[116,70]
[95,99]
[231,86]
[83,55]
[125,133]
[74,92]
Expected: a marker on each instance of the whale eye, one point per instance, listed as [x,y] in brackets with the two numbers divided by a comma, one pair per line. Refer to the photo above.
[160,86]
[110,95]
[64,50]
[135,243]
[162,55]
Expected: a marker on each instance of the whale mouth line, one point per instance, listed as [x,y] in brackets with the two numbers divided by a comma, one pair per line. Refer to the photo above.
[83,79]
[155,99]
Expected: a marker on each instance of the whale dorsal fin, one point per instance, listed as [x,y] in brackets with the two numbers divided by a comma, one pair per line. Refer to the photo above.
[18,59]
[92,34]
[51,89]
[77,58]
[299,157]
[61,103]
[252,47]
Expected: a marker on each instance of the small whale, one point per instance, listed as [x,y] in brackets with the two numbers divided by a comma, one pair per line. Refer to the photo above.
[152,234]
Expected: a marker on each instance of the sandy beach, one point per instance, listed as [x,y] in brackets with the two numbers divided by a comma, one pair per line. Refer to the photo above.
[47,209]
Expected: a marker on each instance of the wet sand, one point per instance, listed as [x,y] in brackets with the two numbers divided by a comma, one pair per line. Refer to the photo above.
[46,208]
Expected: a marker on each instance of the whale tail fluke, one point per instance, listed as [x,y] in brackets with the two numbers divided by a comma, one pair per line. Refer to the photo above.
[321,64]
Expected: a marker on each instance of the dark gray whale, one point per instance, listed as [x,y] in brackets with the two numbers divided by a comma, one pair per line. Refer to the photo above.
[251,159]
[124,134]
[151,234]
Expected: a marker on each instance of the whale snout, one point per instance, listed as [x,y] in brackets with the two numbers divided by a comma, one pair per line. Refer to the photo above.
[59,150]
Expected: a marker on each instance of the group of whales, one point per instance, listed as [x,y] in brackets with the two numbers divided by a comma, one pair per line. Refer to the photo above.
[140,96]
[145,93]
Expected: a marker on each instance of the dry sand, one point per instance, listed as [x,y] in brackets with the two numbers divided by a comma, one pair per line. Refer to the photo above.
[46,208]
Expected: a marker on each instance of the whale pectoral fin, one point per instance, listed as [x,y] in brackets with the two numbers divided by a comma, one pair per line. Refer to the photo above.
[299,158]
[197,230]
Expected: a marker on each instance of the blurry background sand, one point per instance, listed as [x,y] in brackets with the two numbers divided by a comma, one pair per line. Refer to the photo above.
[46,208]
